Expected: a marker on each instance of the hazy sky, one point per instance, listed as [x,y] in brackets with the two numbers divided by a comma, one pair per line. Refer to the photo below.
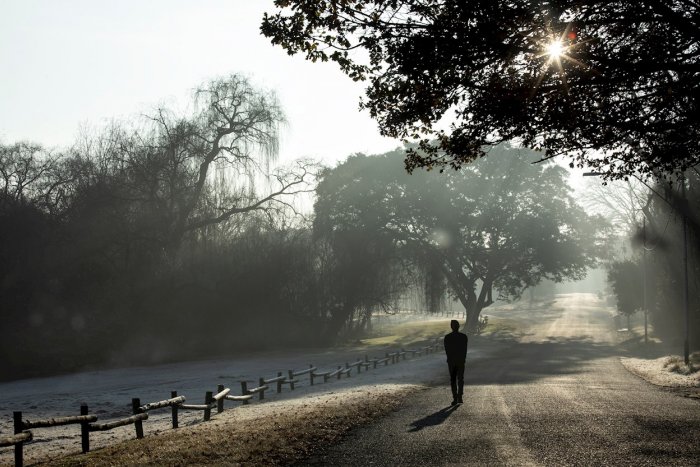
[67,63]
[71,63]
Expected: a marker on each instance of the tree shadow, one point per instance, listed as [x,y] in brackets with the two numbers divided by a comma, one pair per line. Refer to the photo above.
[433,419]
[514,362]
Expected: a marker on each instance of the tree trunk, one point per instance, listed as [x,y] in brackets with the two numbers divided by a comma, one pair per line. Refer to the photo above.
[485,299]
[464,288]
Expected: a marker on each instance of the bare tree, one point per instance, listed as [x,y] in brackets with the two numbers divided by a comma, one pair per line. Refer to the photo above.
[23,168]
[169,165]
[620,201]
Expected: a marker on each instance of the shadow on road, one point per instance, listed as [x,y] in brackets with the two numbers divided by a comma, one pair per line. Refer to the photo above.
[512,362]
[433,419]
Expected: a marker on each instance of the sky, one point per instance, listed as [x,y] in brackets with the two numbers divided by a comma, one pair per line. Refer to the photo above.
[72,64]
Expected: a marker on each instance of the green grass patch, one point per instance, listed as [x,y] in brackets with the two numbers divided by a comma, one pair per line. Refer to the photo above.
[501,326]
[414,332]
[406,334]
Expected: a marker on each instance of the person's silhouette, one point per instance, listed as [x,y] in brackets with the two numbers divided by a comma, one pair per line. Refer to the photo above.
[456,350]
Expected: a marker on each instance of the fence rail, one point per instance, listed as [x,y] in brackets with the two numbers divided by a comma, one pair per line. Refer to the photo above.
[162,404]
[22,437]
[88,422]
[58,421]
[117,423]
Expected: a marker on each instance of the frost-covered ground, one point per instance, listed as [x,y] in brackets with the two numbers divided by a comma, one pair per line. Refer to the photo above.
[109,392]
[659,371]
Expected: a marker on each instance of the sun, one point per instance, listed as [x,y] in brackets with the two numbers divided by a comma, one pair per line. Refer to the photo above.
[555,49]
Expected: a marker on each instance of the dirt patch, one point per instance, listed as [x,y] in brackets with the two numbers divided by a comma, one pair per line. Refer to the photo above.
[276,433]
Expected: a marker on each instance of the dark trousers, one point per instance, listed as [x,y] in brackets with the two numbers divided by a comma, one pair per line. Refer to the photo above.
[456,378]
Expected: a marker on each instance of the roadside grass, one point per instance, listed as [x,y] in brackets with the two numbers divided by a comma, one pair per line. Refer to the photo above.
[275,433]
[653,362]
[676,364]
[416,332]
[505,320]
[502,327]
[407,334]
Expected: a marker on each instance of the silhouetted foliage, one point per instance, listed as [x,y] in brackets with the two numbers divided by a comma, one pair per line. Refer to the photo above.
[163,239]
[362,272]
[501,222]
[621,98]
[625,278]
[664,259]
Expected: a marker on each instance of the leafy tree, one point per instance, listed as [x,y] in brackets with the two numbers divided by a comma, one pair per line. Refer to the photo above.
[625,278]
[665,258]
[358,266]
[500,223]
[613,84]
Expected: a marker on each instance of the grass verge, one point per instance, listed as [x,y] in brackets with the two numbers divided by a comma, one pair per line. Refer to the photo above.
[417,332]
[407,334]
[275,433]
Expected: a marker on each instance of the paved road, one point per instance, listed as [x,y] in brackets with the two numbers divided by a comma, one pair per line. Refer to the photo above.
[557,396]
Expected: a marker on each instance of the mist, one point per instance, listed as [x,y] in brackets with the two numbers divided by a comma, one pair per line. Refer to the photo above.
[177,237]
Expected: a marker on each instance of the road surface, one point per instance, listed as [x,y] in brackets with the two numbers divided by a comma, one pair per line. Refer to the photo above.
[556,396]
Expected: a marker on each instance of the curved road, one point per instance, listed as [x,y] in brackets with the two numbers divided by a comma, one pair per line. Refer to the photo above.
[556,396]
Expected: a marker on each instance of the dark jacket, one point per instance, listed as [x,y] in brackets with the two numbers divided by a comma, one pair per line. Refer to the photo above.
[456,346]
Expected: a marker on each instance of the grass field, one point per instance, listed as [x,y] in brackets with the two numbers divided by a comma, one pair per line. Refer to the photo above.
[407,334]
[414,332]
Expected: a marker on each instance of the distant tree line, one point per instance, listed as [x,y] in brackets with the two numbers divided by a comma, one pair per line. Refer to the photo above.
[165,238]
[171,238]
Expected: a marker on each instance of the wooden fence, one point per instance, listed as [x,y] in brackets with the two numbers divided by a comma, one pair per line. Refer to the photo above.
[212,401]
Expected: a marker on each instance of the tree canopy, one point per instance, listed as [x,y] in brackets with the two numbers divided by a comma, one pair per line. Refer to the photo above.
[500,223]
[613,84]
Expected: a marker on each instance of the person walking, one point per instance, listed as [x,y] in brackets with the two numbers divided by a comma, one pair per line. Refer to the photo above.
[456,350]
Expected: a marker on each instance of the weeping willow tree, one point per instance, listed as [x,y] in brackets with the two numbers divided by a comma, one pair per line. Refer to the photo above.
[170,164]
[126,223]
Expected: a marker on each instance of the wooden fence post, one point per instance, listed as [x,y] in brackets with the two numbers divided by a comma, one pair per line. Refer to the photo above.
[135,409]
[220,402]
[19,447]
[347,367]
[244,391]
[279,382]
[173,394]
[261,383]
[84,430]
[208,399]
[311,374]
[291,380]
[386,355]
[339,373]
